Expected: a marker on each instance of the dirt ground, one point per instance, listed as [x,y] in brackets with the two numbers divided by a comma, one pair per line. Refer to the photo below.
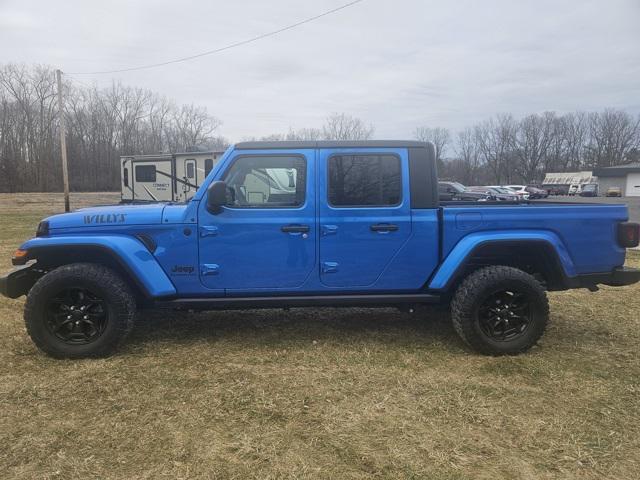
[322,393]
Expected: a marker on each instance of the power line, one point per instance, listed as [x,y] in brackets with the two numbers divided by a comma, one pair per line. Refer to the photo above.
[226,47]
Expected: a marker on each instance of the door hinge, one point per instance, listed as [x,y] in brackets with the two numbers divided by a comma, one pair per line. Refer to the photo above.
[329,267]
[207,269]
[208,231]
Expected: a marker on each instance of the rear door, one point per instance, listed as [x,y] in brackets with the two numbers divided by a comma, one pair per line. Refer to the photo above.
[365,213]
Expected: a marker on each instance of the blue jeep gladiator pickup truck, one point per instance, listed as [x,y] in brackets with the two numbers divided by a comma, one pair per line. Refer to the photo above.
[296,224]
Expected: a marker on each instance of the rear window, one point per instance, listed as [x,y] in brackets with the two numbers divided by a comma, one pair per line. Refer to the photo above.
[365,181]
[145,173]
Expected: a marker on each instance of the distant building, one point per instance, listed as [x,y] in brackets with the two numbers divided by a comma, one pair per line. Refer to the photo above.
[561,181]
[626,177]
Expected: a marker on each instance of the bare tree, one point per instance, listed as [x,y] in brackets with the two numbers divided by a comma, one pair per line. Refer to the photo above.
[495,139]
[614,134]
[304,134]
[340,126]
[103,124]
[469,156]
[532,138]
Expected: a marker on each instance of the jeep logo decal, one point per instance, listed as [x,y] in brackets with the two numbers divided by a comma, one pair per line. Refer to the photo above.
[183,269]
[105,218]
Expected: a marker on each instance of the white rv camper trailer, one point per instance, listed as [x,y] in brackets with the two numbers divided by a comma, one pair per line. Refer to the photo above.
[164,177]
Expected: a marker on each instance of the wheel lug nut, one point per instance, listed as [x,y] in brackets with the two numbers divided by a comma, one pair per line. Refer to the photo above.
[86,317]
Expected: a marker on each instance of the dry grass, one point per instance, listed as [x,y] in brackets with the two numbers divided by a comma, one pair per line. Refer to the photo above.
[322,393]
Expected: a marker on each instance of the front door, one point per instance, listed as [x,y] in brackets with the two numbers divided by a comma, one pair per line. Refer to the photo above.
[365,214]
[265,239]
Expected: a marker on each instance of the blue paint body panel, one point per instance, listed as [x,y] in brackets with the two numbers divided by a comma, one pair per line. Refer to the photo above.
[586,232]
[121,215]
[244,252]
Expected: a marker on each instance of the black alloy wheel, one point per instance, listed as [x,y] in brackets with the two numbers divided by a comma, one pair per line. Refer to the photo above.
[77,316]
[504,315]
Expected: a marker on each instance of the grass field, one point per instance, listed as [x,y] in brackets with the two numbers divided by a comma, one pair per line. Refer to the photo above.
[324,393]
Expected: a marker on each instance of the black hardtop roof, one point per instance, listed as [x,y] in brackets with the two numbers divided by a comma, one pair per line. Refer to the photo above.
[329,144]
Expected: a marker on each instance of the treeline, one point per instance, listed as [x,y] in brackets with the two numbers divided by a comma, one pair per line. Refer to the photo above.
[102,125]
[504,150]
[105,123]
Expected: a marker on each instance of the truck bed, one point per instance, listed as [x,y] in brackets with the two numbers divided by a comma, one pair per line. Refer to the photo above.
[586,230]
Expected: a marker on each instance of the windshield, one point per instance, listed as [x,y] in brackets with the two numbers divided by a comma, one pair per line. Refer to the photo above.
[503,190]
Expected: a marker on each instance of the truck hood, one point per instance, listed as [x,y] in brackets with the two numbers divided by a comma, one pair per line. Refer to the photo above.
[109,215]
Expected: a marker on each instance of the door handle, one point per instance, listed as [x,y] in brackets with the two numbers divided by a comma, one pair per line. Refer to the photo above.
[383,227]
[295,228]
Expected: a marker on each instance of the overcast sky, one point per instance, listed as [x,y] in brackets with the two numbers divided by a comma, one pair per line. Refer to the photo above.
[396,64]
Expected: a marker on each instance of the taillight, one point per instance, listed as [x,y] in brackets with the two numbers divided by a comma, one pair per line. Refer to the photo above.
[628,234]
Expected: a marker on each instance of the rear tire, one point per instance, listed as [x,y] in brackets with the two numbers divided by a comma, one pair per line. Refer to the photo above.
[500,310]
[79,310]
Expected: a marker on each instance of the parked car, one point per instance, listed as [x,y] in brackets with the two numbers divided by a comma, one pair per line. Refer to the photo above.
[360,224]
[521,190]
[614,192]
[536,192]
[497,193]
[452,191]
[556,189]
[589,190]
[575,189]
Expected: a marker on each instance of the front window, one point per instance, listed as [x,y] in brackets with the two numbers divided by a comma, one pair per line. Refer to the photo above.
[267,181]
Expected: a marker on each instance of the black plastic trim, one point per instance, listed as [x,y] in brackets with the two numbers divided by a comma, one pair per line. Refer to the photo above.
[19,281]
[423,177]
[148,241]
[618,277]
[328,144]
[43,229]
[230,303]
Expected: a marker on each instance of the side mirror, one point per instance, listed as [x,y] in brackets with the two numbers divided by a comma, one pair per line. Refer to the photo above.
[216,196]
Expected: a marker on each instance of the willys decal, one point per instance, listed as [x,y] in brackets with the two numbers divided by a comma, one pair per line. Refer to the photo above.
[105,218]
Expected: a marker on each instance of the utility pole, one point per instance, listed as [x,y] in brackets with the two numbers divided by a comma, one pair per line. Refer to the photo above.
[63,142]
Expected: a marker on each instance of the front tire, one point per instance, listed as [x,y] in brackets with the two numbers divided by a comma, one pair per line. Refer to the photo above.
[79,310]
[500,310]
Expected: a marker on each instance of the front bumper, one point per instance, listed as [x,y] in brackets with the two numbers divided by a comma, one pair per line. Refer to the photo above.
[19,280]
[618,277]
